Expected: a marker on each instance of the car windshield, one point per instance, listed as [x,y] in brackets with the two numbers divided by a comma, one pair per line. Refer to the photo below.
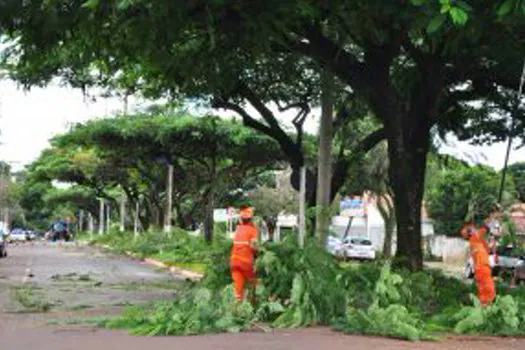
[360,241]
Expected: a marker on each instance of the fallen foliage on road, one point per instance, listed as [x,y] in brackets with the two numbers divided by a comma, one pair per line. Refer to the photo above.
[308,287]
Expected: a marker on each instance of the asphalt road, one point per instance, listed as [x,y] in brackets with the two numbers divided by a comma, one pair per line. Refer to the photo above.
[80,283]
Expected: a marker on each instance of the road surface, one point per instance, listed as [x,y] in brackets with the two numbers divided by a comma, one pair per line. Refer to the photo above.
[79,283]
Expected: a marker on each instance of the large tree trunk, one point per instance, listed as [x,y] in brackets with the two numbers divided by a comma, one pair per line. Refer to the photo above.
[210,203]
[208,219]
[408,148]
[390,226]
[324,160]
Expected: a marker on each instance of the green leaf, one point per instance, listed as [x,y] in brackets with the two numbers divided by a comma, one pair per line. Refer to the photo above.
[459,16]
[125,4]
[418,2]
[464,6]
[506,8]
[91,4]
[436,23]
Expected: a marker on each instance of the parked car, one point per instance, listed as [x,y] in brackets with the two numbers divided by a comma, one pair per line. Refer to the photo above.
[519,272]
[470,268]
[31,235]
[360,248]
[18,235]
[506,260]
[3,245]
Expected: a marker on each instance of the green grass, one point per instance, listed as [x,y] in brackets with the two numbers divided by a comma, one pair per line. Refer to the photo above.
[177,249]
[79,307]
[30,299]
[171,285]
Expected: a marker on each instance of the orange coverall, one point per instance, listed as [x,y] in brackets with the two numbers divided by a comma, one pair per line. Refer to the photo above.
[242,258]
[480,254]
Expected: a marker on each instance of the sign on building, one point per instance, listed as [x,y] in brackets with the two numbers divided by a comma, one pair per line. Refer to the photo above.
[352,207]
[220,215]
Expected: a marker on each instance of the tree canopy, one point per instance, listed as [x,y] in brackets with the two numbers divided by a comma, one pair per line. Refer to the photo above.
[210,157]
[458,192]
[415,64]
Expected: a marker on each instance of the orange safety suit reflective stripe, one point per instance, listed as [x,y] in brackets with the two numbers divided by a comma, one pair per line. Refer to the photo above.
[242,258]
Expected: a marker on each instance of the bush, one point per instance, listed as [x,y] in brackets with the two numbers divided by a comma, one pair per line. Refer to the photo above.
[501,318]
[385,316]
[197,311]
[175,248]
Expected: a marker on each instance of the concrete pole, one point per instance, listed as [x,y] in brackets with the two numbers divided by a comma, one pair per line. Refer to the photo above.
[169,200]
[302,207]
[122,213]
[101,217]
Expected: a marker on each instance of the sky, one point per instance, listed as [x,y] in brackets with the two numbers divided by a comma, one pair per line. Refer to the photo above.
[28,119]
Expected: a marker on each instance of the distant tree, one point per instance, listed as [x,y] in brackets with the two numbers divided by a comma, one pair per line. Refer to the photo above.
[517,171]
[210,157]
[462,193]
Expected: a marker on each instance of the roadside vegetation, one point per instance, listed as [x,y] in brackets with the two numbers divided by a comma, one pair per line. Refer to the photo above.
[302,288]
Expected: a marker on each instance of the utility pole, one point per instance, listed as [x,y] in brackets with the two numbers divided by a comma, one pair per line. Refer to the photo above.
[169,200]
[514,115]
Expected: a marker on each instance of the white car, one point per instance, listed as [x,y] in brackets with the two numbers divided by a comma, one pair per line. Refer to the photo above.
[470,268]
[17,235]
[351,248]
[507,260]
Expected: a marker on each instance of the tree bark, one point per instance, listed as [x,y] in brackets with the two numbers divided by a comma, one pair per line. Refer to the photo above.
[324,168]
[208,219]
[210,203]
[302,209]
[169,200]
[408,157]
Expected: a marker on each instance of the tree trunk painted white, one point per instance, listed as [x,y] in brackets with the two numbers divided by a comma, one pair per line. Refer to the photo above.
[324,160]
[6,219]
[136,220]
[108,217]
[122,213]
[169,200]
[80,221]
[91,223]
[101,217]
[302,207]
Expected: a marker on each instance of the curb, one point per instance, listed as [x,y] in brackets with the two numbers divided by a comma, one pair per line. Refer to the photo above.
[175,270]
[194,276]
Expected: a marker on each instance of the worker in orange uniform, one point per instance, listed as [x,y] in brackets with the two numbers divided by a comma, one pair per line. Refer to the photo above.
[243,254]
[480,252]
